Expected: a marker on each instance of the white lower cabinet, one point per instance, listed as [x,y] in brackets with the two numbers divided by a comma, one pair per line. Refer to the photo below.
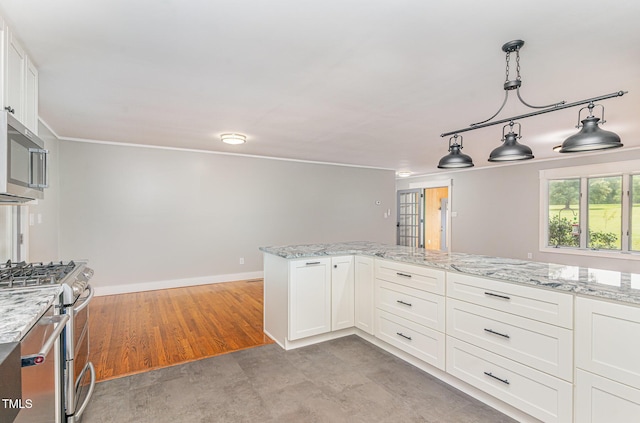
[410,310]
[342,292]
[426,344]
[543,396]
[309,297]
[364,294]
[602,400]
[529,347]
[540,345]
[608,374]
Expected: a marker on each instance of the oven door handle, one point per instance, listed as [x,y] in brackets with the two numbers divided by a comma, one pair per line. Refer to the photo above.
[86,300]
[35,359]
[92,385]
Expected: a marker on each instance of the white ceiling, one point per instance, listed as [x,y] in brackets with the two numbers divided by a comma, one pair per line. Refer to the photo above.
[364,82]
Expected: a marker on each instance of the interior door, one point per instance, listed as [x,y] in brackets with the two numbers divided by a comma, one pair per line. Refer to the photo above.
[410,218]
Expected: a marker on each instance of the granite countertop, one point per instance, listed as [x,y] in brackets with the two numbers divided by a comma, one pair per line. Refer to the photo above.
[21,308]
[613,285]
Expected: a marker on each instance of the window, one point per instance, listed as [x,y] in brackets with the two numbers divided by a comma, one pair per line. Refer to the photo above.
[592,210]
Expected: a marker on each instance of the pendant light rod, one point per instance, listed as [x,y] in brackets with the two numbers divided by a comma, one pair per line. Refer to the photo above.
[538,112]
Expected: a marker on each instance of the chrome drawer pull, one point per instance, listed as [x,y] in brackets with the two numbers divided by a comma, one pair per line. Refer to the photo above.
[497,333]
[491,294]
[403,335]
[505,381]
[403,274]
[312,263]
[402,302]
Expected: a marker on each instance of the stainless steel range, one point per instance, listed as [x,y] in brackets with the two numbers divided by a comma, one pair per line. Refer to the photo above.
[77,371]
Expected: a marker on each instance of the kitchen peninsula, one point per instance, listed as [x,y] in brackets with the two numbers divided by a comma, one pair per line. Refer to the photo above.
[535,340]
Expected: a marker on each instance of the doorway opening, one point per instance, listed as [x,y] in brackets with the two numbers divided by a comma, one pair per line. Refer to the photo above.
[424,218]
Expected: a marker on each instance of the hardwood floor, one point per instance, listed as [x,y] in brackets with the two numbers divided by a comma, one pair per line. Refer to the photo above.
[136,332]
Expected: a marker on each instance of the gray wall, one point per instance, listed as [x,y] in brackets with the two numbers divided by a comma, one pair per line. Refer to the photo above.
[498,210]
[146,215]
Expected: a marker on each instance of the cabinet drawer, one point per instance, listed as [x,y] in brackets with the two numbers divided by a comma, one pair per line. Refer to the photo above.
[542,346]
[417,277]
[538,394]
[426,344]
[412,304]
[601,400]
[608,340]
[535,303]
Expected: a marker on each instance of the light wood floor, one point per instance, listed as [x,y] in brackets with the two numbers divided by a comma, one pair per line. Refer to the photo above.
[136,332]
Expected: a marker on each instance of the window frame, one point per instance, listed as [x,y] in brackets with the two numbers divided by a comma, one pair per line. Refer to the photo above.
[625,169]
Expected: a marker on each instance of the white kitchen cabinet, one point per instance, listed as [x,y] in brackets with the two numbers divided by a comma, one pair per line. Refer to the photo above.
[513,342]
[602,400]
[417,277]
[608,368]
[543,396]
[608,340]
[342,292]
[546,306]
[364,289]
[309,297]
[410,310]
[19,81]
[31,96]
[540,345]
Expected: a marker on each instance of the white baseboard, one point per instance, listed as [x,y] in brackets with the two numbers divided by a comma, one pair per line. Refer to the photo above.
[174,283]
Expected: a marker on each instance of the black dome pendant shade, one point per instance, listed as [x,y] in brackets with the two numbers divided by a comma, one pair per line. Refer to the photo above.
[455,159]
[590,137]
[511,149]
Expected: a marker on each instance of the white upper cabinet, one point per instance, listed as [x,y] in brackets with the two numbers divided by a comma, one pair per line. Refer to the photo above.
[19,80]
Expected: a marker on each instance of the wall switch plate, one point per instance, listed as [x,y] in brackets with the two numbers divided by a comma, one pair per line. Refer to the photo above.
[241,260]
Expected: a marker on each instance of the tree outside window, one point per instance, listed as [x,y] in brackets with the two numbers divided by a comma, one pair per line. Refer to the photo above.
[564,213]
[605,213]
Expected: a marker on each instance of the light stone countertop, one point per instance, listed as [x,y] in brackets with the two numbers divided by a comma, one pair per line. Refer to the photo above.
[20,309]
[613,285]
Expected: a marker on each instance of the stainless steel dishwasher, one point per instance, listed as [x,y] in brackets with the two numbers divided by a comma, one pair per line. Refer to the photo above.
[41,355]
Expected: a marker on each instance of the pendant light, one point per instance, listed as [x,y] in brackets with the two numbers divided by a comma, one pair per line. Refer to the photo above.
[511,149]
[590,137]
[455,159]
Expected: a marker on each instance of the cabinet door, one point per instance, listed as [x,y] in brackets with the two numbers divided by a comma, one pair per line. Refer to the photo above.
[31,97]
[342,292]
[15,76]
[608,340]
[601,400]
[309,297]
[364,288]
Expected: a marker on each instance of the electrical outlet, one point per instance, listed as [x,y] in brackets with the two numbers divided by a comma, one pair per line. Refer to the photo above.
[529,255]
[241,260]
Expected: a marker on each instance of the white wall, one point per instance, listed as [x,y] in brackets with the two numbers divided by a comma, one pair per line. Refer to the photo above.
[145,215]
[43,228]
[498,209]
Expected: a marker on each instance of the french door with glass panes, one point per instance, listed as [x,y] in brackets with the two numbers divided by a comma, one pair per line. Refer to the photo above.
[410,218]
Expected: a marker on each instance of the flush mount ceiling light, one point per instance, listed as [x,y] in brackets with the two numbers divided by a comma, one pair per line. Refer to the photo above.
[591,137]
[234,139]
[404,174]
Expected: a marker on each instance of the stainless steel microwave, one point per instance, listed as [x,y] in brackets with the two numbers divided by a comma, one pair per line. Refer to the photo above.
[23,162]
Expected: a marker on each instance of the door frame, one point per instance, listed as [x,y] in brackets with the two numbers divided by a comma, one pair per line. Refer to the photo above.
[448,183]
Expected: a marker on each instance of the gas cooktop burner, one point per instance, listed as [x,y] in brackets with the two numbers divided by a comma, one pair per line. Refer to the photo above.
[21,274]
